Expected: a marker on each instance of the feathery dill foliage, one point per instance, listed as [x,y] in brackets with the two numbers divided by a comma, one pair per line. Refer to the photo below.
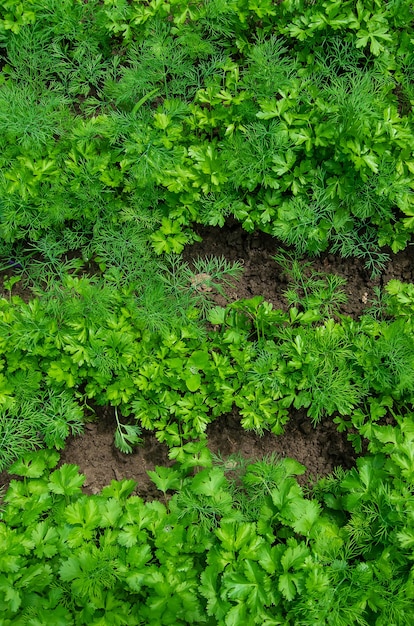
[269,66]
[36,418]
[157,63]
[251,153]
[311,290]
[31,117]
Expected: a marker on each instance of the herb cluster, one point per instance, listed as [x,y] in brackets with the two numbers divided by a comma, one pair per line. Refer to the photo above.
[293,117]
[233,543]
[123,125]
[86,341]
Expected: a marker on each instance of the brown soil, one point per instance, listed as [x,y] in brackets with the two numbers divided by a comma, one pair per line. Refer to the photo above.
[263,276]
[320,449]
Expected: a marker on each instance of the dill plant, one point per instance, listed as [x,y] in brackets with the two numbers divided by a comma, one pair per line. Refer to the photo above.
[269,67]
[44,420]
[251,152]
[30,118]
[311,290]
[207,276]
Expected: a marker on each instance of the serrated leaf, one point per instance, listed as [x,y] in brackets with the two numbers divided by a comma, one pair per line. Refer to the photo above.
[217,315]
[36,577]
[294,555]
[236,536]
[286,586]
[45,539]
[283,495]
[34,464]
[110,513]
[406,538]
[84,512]
[199,359]
[139,556]
[292,467]
[216,605]
[11,596]
[10,563]
[126,437]
[248,586]
[307,513]
[236,616]
[70,569]
[66,480]
[119,489]
[165,478]
[209,482]
[317,581]
[130,535]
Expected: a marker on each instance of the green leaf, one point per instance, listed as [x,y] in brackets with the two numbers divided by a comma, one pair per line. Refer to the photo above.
[193,382]
[119,489]
[307,512]
[127,436]
[217,315]
[294,555]
[282,497]
[45,539]
[406,538]
[317,581]
[111,513]
[165,478]
[209,482]
[66,480]
[143,100]
[192,454]
[36,577]
[199,359]
[34,464]
[291,467]
[286,586]
[269,110]
[139,579]
[139,556]
[130,535]
[371,160]
[84,512]
[11,597]
[247,586]
[70,569]
[210,581]
[237,615]
[236,537]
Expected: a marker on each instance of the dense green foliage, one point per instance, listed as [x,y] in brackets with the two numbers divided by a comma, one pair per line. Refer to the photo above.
[294,117]
[123,125]
[234,545]
[88,341]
